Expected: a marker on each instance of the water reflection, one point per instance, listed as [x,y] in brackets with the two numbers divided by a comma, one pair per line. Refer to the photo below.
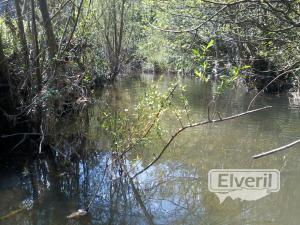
[174,191]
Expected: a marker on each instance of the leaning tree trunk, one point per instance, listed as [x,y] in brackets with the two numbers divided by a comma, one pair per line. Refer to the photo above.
[51,41]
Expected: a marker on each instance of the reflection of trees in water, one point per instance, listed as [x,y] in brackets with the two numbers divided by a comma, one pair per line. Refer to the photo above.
[67,178]
[61,183]
[169,193]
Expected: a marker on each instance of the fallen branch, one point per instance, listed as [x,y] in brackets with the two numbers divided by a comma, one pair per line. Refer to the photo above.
[195,125]
[276,150]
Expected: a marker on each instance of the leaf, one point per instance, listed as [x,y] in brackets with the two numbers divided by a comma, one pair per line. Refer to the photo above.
[196,52]
[246,67]
[210,44]
[201,76]
[197,73]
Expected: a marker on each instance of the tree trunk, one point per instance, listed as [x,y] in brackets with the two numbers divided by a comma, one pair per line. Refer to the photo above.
[114,23]
[36,51]
[51,41]
[36,62]
[23,41]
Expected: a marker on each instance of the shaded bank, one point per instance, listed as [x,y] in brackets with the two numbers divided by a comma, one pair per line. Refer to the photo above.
[11,120]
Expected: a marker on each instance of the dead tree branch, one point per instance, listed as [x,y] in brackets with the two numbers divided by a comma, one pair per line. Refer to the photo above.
[195,125]
[276,150]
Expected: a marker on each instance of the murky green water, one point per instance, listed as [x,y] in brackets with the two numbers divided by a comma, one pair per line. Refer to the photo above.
[175,189]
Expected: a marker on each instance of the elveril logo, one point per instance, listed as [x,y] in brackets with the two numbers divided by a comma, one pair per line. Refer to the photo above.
[244,184]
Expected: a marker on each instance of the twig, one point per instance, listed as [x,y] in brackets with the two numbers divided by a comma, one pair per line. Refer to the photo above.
[60,9]
[19,143]
[74,27]
[42,139]
[276,150]
[18,134]
[231,3]
[195,125]
[64,34]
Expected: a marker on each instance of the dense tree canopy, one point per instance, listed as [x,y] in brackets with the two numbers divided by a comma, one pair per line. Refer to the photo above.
[55,50]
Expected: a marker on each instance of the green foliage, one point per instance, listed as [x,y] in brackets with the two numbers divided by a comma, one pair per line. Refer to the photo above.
[9,40]
[270,35]
[128,127]
[201,58]
[228,81]
[225,81]
[155,48]
[111,34]
[140,125]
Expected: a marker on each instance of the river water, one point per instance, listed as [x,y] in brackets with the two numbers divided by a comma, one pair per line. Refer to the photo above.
[43,191]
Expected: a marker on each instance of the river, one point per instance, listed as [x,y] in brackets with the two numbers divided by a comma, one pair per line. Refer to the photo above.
[43,191]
